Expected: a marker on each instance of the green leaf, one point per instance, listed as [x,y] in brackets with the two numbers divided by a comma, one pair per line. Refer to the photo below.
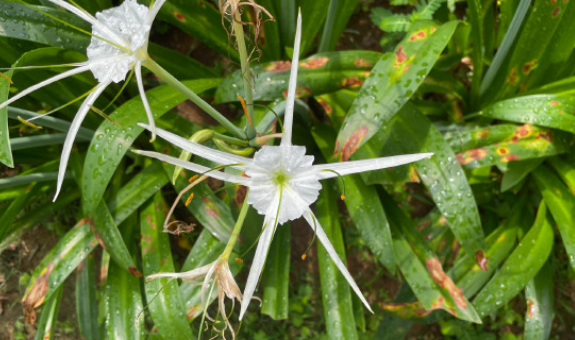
[49,317]
[539,296]
[60,261]
[137,191]
[8,216]
[94,6]
[276,275]
[111,142]
[363,205]
[565,170]
[553,111]
[318,74]
[441,173]
[391,83]
[86,303]
[5,149]
[177,63]
[313,17]
[22,22]
[517,171]
[561,203]
[467,138]
[336,295]
[270,42]
[519,268]
[165,303]
[199,19]
[108,235]
[336,21]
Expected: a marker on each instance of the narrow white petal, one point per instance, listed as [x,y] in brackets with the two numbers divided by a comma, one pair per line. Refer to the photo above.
[314,224]
[347,168]
[200,169]
[154,11]
[260,255]
[111,35]
[213,155]
[140,82]
[74,127]
[48,81]
[290,102]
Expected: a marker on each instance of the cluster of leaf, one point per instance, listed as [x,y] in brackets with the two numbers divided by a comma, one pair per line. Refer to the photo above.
[496,112]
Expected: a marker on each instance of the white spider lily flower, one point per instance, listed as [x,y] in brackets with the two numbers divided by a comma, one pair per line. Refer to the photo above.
[223,278]
[283,182]
[119,45]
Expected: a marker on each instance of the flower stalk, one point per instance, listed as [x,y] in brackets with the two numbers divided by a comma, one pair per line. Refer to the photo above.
[191,95]
[246,73]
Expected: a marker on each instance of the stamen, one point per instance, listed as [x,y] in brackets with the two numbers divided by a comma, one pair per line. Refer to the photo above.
[238,260]
[312,240]
[342,196]
[6,77]
[342,182]
[245,109]
[155,296]
[27,123]
[103,115]
[130,75]
[303,256]
[193,178]
[189,199]
[63,106]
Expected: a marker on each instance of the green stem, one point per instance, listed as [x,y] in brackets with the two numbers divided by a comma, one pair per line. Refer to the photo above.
[172,81]
[237,228]
[231,140]
[246,75]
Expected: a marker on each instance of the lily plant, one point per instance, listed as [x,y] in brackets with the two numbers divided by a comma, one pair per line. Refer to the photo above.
[282,181]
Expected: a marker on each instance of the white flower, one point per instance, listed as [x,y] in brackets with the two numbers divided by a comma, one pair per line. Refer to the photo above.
[219,270]
[119,44]
[282,181]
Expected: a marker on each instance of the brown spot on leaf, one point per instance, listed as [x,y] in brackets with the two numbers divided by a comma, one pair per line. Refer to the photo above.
[509,158]
[471,155]
[522,132]
[362,63]
[352,82]
[556,11]
[211,208]
[278,66]
[530,309]
[418,35]
[512,78]
[481,260]
[554,103]
[502,151]
[327,108]
[179,16]
[483,134]
[135,272]
[336,149]
[300,91]
[400,56]
[352,143]
[407,310]
[314,63]
[528,67]
[240,195]
[438,275]
[36,293]
[96,234]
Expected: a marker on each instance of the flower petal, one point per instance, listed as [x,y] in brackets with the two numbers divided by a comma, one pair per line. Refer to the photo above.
[213,155]
[74,127]
[111,35]
[260,255]
[200,169]
[290,102]
[149,113]
[154,11]
[314,224]
[346,168]
[85,67]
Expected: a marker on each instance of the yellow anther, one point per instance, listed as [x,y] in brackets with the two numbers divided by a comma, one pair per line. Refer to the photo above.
[193,178]
[27,123]
[6,77]
[245,109]
[189,199]
[238,260]
[303,256]
[342,197]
